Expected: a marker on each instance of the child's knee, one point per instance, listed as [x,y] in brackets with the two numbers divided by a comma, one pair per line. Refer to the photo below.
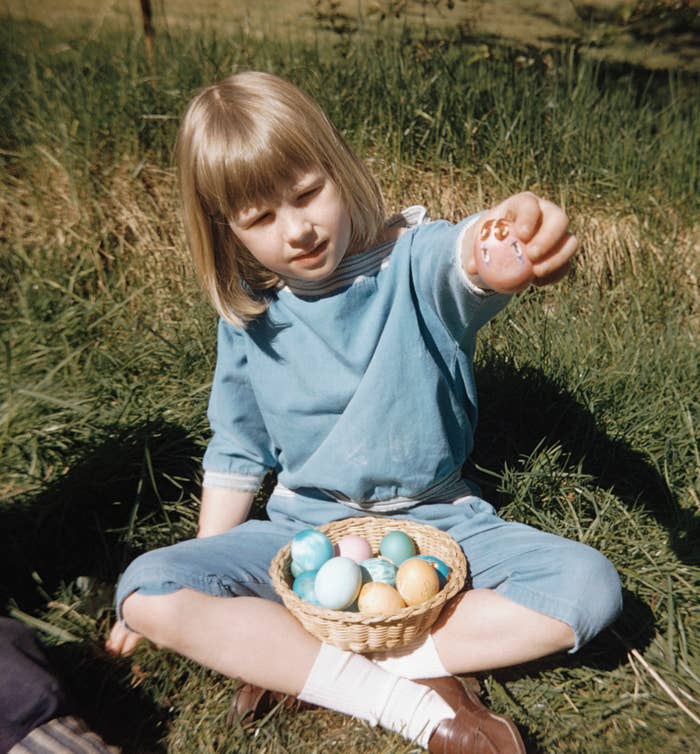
[153,616]
[599,593]
[156,572]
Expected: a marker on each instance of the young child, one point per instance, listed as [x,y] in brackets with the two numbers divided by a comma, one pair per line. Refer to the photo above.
[345,348]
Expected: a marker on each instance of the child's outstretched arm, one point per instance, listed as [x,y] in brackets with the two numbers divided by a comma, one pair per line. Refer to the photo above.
[544,240]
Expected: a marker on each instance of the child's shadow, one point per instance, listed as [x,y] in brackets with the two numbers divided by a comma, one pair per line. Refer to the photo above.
[127,492]
[522,411]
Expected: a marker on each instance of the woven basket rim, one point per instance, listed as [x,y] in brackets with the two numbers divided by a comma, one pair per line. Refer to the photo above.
[454,584]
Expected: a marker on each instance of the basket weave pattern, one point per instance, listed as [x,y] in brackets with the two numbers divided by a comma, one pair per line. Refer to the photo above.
[368,633]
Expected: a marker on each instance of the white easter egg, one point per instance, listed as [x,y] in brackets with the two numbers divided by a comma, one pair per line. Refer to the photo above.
[338,582]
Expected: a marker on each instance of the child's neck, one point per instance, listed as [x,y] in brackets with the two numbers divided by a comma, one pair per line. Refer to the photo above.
[390,231]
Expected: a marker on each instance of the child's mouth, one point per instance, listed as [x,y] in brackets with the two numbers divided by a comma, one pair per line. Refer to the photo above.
[313,253]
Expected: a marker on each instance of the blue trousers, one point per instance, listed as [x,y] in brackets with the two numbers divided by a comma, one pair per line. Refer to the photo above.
[555,576]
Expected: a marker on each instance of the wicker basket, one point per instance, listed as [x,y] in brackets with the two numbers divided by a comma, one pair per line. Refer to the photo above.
[369,633]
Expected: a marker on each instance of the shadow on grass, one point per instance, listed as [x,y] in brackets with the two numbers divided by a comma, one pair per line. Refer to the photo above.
[125,492]
[522,409]
[131,490]
[605,653]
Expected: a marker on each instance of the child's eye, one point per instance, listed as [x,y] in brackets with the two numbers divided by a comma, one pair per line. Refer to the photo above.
[260,219]
[308,193]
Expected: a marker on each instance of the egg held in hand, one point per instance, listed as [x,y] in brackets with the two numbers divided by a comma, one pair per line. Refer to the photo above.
[338,583]
[501,258]
[417,581]
[310,549]
[378,598]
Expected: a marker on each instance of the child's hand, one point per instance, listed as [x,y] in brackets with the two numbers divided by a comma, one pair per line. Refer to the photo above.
[542,254]
[122,641]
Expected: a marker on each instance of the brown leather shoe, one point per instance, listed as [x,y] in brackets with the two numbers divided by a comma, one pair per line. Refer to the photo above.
[474,729]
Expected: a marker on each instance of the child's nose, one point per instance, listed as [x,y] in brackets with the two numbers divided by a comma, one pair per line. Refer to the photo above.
[297,228]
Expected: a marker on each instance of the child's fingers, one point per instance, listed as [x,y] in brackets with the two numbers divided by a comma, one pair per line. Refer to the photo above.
[524,211]
[555,277]
[556,264]
[551,234]
[121,640]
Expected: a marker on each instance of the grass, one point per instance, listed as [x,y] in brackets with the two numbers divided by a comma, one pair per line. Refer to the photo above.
[590,400]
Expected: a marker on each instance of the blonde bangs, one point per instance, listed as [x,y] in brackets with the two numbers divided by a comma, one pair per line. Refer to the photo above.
[241,142]
[238,170]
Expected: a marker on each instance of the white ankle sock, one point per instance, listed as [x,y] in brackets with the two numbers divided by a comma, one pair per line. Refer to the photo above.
[416,660]
[352,684]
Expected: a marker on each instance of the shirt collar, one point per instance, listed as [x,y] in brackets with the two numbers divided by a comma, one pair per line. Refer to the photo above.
[358,266]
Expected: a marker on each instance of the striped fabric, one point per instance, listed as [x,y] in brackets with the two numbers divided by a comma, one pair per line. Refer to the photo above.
[451,489]
[63,735]
[359,266]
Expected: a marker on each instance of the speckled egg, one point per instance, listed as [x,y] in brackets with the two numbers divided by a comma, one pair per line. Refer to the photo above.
[443,570]
[377,598]
[337,583]
[304,586]
[311,549]
[354,547]
[397,546]
[417,581]
[500,257]
[379,569]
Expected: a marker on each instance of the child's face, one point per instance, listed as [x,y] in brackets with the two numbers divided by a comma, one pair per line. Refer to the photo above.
[303,233]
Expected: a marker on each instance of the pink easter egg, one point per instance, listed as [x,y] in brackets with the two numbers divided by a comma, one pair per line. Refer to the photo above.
[500,257]
[354,547]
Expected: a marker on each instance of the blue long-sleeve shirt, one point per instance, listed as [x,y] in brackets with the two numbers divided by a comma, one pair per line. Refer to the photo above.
[360,385]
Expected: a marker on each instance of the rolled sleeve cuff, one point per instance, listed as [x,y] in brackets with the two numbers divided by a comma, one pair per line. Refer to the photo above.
[467,282]
[232,481]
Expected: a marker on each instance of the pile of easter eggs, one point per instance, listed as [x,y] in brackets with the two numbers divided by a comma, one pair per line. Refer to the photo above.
[349,576]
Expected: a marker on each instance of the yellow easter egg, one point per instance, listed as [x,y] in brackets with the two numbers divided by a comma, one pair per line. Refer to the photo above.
[417,581]
[378,598]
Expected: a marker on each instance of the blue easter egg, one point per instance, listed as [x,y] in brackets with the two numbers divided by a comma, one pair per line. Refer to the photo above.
[303,586]
[296,569]
[311,549]
[397,546]
[379,569]
[338,583]
[440,566]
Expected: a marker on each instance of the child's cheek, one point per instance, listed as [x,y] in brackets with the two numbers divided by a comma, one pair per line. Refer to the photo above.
[501,258]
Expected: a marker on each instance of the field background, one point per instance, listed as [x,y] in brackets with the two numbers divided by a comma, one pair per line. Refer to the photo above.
[619,30]
[590,397]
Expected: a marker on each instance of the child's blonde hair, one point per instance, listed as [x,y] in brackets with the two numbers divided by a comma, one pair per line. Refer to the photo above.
[240,140]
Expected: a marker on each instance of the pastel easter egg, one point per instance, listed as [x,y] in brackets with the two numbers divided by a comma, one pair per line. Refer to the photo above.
[311,549]
[304,586]
[501,257]
[417,581]
[397,546]
[337,583]
[443,570]
[296,569]
[379,569]
[354,547]
[377,598]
